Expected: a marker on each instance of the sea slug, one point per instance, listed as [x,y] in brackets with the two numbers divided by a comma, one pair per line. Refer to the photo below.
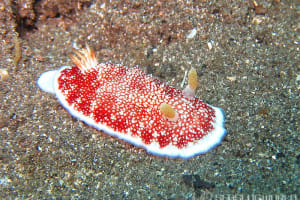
[127,103]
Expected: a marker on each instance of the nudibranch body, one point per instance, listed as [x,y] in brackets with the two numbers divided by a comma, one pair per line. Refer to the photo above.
[127,103]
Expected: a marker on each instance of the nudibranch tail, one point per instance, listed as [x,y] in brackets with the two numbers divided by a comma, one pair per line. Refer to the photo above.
[46,81]
[85,59]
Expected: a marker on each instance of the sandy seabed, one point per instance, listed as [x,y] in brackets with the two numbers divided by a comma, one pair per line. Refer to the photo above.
[247,58]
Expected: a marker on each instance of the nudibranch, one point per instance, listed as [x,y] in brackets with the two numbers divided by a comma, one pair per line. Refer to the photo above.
[136,107]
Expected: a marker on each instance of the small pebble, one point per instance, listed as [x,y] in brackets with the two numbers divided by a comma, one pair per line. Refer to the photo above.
[192,34]
[3,74]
